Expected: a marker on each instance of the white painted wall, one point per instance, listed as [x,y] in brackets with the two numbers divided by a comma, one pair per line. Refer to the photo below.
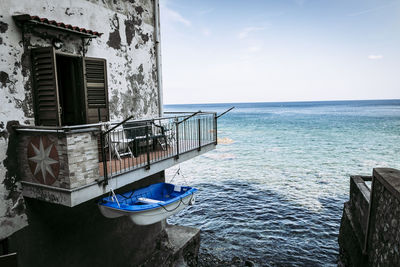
[131,62]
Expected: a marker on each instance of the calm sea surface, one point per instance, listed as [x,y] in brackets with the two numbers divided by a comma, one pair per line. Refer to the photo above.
[275,193]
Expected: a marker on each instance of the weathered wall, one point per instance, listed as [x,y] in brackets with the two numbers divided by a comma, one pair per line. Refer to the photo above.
[127,44]
[384,231]
[81,236]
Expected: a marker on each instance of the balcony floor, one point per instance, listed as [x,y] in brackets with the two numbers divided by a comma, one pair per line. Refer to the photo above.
[128,163]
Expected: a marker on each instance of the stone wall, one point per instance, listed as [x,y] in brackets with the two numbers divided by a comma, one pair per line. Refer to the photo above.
[128,45]
[83,158]
[384,229]
[359,203]
[353,224]
[370,234]
[76,160]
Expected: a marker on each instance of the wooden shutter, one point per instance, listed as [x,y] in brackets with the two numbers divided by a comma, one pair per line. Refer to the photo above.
[45,89]
[96,90]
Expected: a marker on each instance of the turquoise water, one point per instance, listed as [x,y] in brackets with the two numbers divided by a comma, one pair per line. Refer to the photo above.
[274,191]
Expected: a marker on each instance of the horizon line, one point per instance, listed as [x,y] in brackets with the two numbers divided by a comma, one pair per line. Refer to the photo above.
[293,101]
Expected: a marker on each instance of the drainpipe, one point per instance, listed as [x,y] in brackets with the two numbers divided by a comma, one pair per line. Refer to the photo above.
[158,55]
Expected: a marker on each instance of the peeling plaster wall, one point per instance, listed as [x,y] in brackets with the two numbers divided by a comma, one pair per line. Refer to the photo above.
[128,46]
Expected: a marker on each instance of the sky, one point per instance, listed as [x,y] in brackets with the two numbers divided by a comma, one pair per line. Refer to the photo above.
[221,51]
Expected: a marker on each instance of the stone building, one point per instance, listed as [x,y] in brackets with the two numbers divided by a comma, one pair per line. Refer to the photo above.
[369,231]
[70,73]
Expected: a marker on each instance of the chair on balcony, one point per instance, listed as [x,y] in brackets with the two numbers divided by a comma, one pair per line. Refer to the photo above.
[160,136]
[138,132]
[120,144]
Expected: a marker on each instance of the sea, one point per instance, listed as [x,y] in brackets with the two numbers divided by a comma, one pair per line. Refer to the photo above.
[273,190]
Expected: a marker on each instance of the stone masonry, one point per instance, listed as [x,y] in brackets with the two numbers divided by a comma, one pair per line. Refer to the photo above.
[384,230]
[78,158]
[83,158]
[369,231]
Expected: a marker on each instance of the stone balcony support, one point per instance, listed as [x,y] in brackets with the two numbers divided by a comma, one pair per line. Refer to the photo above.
[66,165]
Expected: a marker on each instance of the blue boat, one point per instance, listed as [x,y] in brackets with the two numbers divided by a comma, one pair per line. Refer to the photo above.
[150,204]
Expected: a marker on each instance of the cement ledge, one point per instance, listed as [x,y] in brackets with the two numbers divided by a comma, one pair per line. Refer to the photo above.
[185,242]
[350,243]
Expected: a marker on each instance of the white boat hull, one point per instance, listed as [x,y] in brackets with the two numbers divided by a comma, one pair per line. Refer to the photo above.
[151,216]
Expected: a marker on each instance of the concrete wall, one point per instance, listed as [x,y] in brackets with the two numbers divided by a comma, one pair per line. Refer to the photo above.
[81,236]
[359,203]
[354,223]
[369,231]
[128,45]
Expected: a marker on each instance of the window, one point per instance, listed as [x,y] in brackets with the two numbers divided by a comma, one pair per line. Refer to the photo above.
[68,89]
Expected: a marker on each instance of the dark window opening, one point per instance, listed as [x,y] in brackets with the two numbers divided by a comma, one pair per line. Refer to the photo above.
[70,89]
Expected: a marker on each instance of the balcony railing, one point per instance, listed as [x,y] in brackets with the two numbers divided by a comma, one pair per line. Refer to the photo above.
[133,144]
[71,157]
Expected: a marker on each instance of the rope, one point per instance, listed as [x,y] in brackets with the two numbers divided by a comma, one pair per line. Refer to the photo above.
[114,197]
[178,171]
[129,195]
[180,201]
[184,178]
[190,200]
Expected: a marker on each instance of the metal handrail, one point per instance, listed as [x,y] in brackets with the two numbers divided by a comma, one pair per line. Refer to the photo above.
[186,112]
[226,111]
[95,126]
[118,124]
[139,145]
[194,114]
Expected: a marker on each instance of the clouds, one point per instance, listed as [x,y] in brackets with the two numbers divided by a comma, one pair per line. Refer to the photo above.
[172,16]
[375,57]
[279,50]
[253,42]
[244,33]
[366,11]
[206,31]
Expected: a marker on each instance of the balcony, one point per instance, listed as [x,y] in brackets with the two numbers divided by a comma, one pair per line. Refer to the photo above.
[73,164]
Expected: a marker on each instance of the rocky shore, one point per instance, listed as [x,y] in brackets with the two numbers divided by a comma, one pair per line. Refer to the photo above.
[207,259]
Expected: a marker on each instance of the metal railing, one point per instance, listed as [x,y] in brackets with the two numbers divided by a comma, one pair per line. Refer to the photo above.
[133,144]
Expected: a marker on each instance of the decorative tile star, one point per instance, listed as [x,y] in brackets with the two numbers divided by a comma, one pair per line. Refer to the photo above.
[42,160]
